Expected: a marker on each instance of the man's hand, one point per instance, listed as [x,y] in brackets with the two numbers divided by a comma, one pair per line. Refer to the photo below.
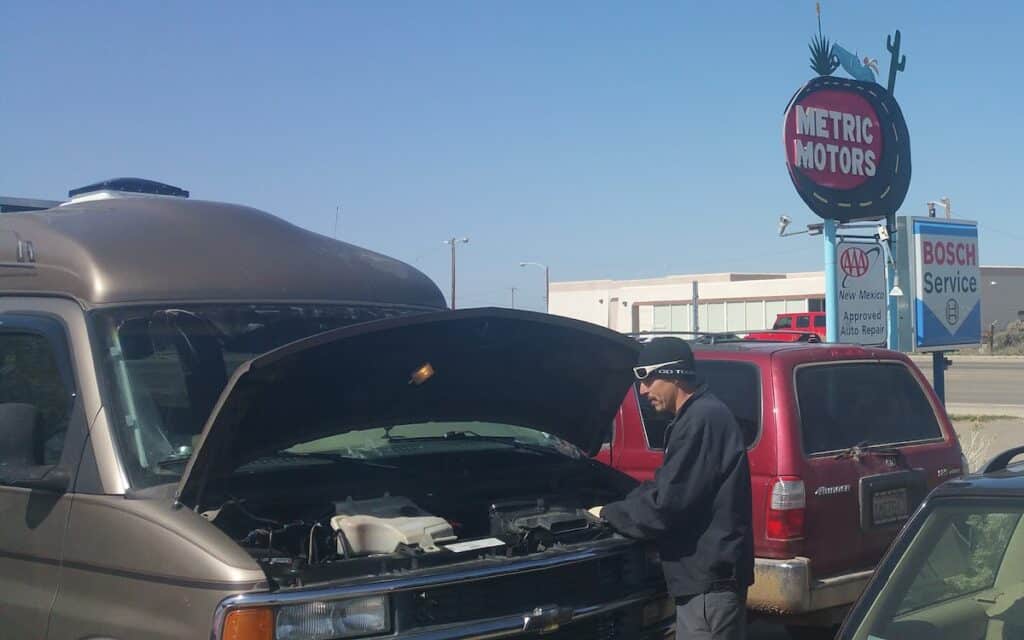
[595,511]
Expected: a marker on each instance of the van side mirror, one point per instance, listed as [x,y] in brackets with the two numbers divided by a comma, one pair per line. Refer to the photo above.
[52,478]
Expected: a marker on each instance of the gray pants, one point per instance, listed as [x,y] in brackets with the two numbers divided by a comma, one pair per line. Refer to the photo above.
[720,615]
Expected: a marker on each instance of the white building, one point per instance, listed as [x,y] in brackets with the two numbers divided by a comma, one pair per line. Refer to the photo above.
[738,301]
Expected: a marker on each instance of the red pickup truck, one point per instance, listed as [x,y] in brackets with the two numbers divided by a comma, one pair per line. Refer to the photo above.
[844,442]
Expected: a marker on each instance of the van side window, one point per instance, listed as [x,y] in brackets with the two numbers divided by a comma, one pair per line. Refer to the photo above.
[803,322]
[33,397]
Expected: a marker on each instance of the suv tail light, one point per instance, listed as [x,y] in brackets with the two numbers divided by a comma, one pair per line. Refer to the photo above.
[785,519]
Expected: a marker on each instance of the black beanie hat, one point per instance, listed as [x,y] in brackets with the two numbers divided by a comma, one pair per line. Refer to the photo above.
[674,350]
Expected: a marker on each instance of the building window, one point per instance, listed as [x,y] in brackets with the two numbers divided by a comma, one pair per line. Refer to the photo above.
[755,315]
[735,316]
[796,306]
[662,317]
[716,317]
[681,317]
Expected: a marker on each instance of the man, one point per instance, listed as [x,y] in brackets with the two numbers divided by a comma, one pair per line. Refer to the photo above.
[697,508]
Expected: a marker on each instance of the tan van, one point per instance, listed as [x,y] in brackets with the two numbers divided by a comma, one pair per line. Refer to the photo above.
[217,425]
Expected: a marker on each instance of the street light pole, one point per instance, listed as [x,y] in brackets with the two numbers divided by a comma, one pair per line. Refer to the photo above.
[454,241]
[547,282]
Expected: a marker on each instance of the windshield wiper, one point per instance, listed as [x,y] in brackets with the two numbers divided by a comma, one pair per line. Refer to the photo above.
[328,456]
[865,448]
[472,435]
[174,460]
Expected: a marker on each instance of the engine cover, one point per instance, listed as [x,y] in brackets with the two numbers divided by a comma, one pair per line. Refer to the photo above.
[386,525]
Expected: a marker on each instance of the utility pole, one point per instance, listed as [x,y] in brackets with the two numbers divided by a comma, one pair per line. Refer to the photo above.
[454,241]
[547,282]
[695,301]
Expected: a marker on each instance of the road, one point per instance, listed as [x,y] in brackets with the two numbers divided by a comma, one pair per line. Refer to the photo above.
[978,381]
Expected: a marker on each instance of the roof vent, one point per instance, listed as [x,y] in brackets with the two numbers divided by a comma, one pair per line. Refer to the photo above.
[125,187]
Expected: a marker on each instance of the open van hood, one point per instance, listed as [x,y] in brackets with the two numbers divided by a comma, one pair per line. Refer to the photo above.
[549,373]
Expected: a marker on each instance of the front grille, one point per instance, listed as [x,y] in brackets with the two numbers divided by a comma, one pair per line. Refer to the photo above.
[576,586]
[606,627]
[573,586]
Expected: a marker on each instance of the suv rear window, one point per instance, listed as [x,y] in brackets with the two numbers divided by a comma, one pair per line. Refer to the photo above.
[842,405]
[737,384]
[819,321]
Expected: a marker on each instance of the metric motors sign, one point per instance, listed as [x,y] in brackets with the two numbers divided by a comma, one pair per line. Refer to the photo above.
[862,295]
[947,278]
[847,149]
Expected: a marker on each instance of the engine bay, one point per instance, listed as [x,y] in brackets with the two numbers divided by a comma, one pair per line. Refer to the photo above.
[304,542]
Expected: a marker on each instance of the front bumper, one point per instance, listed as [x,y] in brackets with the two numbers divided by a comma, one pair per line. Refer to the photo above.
[785,587]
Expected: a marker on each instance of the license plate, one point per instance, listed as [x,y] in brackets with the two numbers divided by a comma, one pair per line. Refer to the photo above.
[889,506]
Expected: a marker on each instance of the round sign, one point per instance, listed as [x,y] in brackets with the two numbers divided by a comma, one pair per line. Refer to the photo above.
[847,149]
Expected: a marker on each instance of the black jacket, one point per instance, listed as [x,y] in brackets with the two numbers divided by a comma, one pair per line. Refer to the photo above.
[698,506]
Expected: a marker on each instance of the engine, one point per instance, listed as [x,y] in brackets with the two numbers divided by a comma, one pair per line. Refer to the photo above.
[356,537]
[388,525]
[529,526]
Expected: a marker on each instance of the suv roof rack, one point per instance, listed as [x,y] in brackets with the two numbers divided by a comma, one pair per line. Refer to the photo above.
[1002,461]
[704,337]
[718,337]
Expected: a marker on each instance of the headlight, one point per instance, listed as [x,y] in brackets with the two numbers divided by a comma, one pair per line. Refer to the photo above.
[333,619]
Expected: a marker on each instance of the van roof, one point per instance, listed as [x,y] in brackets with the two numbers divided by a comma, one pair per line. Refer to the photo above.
[149,249]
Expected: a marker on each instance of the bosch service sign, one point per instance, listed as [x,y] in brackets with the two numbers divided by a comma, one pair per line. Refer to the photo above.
[947,304]
[847,149]
[862,293]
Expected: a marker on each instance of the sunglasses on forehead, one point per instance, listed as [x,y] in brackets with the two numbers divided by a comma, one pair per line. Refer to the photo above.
[644,372]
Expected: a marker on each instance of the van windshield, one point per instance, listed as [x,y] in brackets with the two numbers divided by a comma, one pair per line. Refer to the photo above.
[165,367]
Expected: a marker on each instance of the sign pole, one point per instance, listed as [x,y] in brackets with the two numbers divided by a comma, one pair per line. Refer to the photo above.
[831,290]
[939,375]
[892,302]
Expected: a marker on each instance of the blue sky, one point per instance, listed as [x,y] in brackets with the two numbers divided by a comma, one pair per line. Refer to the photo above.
[608,140]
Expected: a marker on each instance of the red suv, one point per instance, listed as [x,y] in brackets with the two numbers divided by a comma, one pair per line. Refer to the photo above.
[793,327]
[844,442]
